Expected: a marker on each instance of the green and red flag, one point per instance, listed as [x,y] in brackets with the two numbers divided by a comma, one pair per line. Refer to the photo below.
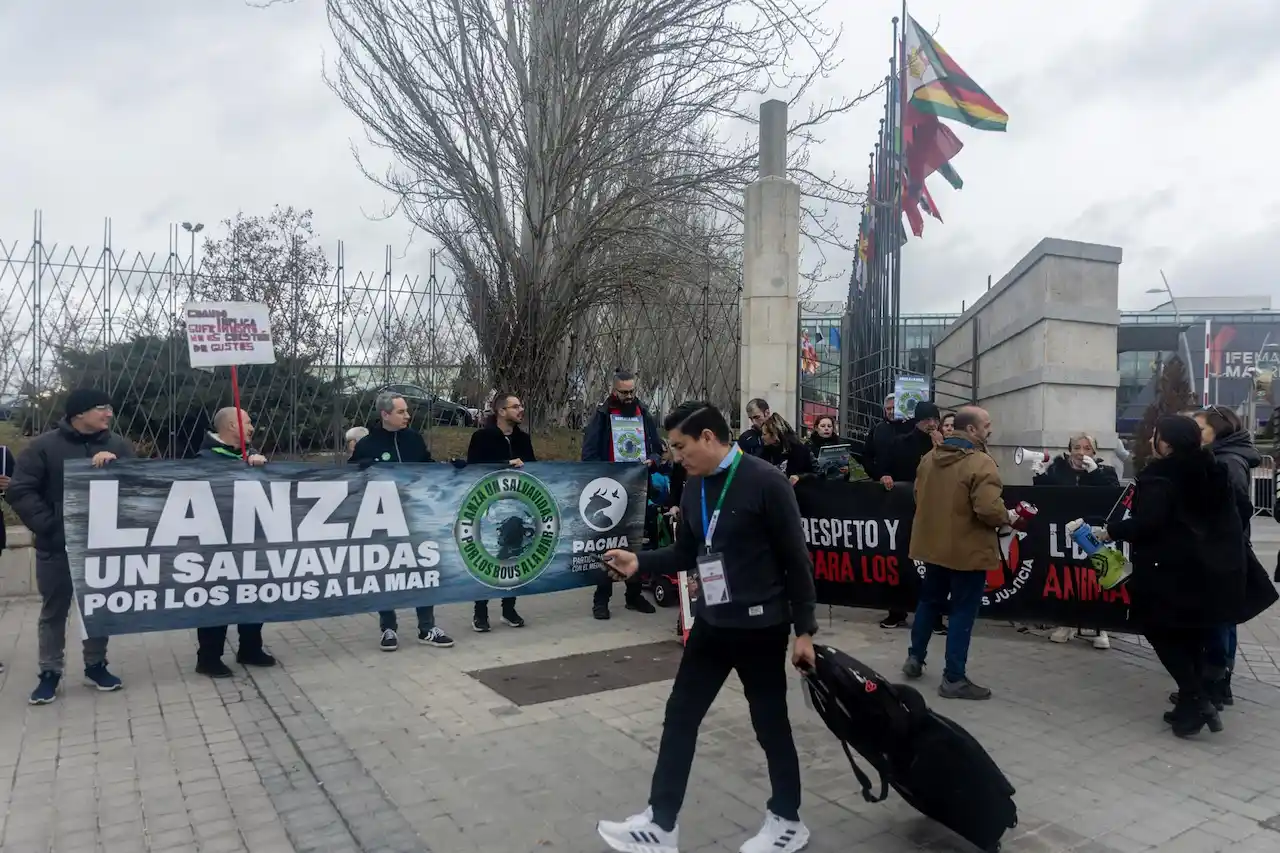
[937,85]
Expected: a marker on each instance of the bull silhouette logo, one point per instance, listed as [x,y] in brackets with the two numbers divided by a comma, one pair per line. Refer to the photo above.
[603,504]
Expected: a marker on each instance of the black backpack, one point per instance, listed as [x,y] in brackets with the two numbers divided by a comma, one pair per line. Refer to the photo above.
[932,762]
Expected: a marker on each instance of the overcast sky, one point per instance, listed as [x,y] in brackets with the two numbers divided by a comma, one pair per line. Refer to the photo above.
[1128,125]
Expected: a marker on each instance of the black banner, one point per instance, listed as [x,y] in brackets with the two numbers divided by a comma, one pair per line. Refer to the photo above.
[859,536]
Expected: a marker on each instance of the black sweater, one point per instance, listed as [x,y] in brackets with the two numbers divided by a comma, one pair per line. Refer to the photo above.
[491,445]
[762,544]
[402,445]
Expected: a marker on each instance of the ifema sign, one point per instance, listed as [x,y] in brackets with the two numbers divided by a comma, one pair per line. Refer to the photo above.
[157,546]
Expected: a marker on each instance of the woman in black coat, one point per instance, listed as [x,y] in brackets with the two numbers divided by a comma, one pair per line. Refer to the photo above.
[1231,444]
[1189,562]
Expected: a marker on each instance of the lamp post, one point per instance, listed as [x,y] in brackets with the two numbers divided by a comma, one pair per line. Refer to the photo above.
[1182,333]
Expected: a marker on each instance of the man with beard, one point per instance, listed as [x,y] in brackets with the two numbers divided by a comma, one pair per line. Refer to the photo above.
[959,507]
[622,430]
[752,441]
[502,442]
[224,444]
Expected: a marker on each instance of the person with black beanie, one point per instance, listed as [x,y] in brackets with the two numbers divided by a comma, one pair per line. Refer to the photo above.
[1190,562]
[501,442]
[919,435]
[35,493]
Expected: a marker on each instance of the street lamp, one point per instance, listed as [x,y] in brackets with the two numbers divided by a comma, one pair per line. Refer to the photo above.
[193,230]
[1182,333]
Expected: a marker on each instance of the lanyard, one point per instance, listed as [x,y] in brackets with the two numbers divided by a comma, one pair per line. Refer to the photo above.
[709,523]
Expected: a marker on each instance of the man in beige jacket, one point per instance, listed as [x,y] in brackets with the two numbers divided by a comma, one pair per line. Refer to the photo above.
[959,507]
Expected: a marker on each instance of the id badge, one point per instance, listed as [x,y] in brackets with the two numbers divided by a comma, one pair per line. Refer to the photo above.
[713,585]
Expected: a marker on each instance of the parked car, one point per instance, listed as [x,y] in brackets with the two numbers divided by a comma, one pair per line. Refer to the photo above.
[442,412]
[12,408]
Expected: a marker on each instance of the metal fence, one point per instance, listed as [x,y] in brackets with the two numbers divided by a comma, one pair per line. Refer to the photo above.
[104,318]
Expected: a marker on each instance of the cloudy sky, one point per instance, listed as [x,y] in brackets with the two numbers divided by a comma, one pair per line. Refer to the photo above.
[1127,127]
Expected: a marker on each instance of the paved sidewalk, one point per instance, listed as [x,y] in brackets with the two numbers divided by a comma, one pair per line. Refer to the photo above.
[345,748]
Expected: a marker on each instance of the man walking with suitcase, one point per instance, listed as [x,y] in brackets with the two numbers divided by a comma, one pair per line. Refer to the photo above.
[740,532]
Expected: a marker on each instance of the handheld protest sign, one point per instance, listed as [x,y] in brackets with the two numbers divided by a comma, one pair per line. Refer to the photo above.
[228,334]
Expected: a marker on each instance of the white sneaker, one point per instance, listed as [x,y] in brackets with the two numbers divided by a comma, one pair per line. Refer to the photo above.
[639,834]
[1061,635]
[1102,641]
[777,836]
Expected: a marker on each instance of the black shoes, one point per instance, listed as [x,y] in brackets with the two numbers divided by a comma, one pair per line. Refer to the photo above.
[640,604]
[1191,715]
[255,657]
[214,668]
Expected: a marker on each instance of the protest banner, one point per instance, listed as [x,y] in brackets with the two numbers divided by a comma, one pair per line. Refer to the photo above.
[859,537]
[228,334]
[158,545]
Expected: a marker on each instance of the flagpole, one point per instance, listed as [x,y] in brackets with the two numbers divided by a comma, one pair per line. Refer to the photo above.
[899,153]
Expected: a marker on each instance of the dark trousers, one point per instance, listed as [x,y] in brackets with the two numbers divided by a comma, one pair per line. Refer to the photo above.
[632,590]
[1220,648]
[426,619]
[965,589]
[759,656]
[482,607]
[1182,651]
[212,641]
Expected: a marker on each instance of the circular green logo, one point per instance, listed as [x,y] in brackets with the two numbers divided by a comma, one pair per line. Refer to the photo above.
[386,457]
[507,529]
[630,445]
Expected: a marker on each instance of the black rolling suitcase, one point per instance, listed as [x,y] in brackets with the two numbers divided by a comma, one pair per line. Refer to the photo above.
[931,761]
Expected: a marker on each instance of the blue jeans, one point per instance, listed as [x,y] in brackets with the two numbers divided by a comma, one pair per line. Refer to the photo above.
[1220,647]
[426,619]
[965,589]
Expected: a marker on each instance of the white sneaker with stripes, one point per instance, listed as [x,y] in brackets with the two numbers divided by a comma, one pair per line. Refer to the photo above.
[639,834]
[777,836]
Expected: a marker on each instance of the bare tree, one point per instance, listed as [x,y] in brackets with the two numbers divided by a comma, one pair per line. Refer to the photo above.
[275,260]
[558,151]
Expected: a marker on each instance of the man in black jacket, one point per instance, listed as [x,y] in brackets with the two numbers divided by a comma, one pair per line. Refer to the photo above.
[740,533]
[614,435]
[35,493]
[752,441]
[501,443]
[392,441]
[224,444]
[878,461]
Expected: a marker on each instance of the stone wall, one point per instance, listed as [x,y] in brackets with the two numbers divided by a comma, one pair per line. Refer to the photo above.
[1045,361]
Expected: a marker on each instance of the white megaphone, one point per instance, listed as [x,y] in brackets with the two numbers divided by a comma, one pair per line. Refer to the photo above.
[1022,455]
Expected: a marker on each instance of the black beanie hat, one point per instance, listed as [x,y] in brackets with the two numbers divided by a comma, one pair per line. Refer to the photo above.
[927,411]
[82,400]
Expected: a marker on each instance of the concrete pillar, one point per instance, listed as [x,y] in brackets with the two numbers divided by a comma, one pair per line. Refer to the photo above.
[770,356]
[1045,360]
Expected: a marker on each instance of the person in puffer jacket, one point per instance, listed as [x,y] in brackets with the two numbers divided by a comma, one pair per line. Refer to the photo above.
[1232,445]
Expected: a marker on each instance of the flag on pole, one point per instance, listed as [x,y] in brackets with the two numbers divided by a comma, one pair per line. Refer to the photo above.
[947,171]
[930,145]
[937,85]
